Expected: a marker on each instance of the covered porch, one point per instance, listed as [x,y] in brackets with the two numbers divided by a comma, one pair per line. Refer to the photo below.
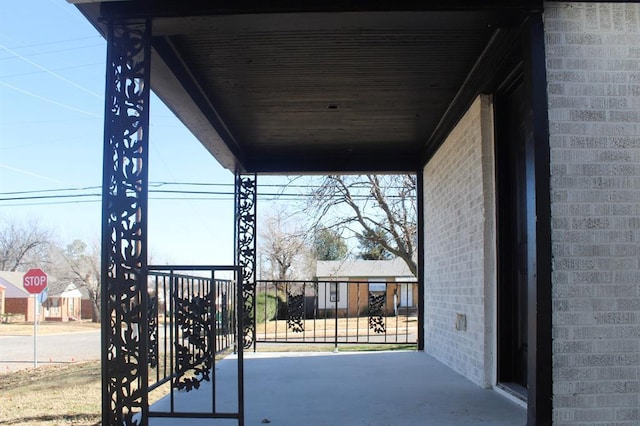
[347,388]
[338,88]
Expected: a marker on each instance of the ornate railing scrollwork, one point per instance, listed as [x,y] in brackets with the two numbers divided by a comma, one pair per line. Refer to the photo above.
[376,312]
[295,309]
[194,347]
[124,240]
[245,194]
[152,350]
[248,317]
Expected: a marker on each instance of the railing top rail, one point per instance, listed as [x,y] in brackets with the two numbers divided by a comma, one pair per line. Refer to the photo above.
[194,268]
[169,274]
[340,280]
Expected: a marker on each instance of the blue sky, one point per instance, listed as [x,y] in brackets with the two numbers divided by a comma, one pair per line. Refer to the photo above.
[52,66]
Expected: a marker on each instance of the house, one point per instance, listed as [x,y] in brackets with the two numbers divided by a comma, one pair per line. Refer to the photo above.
[2,289]
[62,300]
[343,284]
[87,309]
[17,301]
[519,118]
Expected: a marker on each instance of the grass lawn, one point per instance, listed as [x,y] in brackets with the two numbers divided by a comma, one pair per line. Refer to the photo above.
[60,395]
[52,395]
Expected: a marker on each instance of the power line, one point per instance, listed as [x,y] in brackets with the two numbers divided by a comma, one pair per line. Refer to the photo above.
[158,184]
[203,195]
[45,197]
[42,98]
[48,43]
[50,203]
[48,71]
[28,173]
[153,185]
[70,195]
[57,69]
[53,203]
[22,123]
[50,190]
[207,193]
[50,51]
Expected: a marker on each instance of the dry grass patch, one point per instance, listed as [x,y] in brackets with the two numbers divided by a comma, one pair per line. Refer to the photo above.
[52,395]
[58,395]
[359,326]
[330,347]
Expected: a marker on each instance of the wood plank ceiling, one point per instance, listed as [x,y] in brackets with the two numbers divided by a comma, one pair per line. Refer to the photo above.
[287,89]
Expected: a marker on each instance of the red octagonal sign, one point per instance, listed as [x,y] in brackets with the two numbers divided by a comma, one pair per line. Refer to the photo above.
[34,281]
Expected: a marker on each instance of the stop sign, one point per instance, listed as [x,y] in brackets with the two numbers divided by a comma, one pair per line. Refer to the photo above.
[34,281]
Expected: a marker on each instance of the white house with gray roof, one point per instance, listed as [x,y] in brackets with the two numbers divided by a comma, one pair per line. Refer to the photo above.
[343,283]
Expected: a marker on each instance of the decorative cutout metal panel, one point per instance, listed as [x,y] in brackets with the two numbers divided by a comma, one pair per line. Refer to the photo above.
[295,318]
[246,187]
[376,312]
[125,192]
[194,346]
[152,332]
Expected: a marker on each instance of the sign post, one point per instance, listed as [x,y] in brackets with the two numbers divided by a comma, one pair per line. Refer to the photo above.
[35,331]
[34,281]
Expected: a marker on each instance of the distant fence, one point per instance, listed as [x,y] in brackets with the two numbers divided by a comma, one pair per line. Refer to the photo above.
[336,312]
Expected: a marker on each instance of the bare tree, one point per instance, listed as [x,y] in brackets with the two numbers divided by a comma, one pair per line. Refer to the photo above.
[23,246]
[379,208]
[283,248]
[80,264]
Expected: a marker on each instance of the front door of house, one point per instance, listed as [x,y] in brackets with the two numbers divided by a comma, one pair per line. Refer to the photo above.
[406,295]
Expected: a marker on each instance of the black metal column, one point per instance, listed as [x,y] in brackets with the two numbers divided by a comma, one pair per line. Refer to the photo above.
[124,225]
[421,237]
[540,336]
[245,236]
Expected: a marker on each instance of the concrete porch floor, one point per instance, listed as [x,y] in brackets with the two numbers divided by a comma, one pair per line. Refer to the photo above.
[357,388]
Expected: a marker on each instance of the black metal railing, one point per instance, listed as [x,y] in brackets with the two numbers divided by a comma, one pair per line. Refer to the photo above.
[192,316]
[360,312]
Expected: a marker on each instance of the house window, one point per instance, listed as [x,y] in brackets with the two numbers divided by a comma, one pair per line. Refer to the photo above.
[54,306]
[377,286]
[334,292]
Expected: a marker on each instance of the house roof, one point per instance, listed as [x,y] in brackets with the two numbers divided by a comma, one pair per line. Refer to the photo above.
[12,281]
[63,289]
[395,268]
[332,86]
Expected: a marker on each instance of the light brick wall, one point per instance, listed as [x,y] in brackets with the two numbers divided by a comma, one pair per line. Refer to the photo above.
[459,235]
[593,74]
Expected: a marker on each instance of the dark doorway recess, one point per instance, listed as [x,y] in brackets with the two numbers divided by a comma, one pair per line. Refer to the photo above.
[524,225]
[513,239]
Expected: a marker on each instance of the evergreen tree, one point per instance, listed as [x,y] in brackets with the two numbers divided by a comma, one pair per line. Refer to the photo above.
[371,247]
[328,244]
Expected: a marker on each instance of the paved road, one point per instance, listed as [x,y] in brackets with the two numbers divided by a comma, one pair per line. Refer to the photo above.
[16,352]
